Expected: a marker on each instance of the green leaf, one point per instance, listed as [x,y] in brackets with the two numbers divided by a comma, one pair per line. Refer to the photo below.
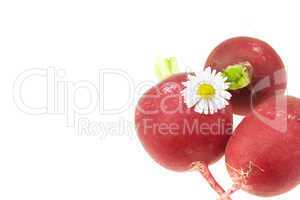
[165,67]
[238,76]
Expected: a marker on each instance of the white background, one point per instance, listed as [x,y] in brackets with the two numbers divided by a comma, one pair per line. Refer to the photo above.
[43,157]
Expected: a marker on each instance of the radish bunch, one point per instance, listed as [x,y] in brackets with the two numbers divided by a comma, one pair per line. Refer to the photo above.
[185,121]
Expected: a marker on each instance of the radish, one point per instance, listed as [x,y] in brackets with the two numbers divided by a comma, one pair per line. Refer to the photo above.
[261,64]
[263,155]
[176,134]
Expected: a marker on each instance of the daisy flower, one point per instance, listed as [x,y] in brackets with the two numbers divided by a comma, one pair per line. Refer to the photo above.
[206,91]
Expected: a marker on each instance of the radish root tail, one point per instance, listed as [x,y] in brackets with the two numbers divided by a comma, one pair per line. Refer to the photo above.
[235,187]
[205,172]
[240,181]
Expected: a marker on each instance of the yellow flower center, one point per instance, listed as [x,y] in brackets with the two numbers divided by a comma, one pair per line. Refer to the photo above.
[206,91]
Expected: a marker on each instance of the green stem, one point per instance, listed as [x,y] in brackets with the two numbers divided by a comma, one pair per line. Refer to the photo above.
[238,75]
[165,67]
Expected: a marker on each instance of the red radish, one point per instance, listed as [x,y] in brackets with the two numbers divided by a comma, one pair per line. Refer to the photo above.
[263,155]
[176,136]
[267,70]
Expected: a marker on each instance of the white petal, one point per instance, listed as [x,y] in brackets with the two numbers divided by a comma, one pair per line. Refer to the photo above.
[207,70]
[211,107]
[185,83]
[220,102]
[225,94]
[213,73]
[205,107]
[199,107]
[217,103]
[191,77]
[189,97]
